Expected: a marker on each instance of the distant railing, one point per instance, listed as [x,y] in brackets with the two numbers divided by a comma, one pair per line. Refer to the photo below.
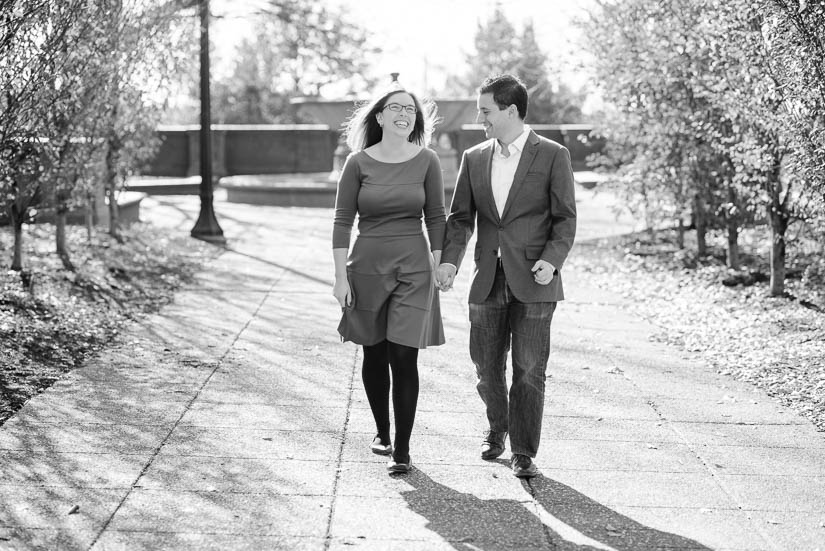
[575,137]
[311,148]
[246,149]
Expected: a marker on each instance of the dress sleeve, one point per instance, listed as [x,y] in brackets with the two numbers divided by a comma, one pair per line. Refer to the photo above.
[434,214]
[346,203]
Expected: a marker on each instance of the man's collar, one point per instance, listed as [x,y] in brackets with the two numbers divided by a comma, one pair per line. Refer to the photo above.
[518,143]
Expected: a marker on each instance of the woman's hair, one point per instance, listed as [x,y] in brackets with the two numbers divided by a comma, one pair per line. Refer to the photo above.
[362,129]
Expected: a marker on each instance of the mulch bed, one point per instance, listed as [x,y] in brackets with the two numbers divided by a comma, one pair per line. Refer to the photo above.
[52,320]
[726,317]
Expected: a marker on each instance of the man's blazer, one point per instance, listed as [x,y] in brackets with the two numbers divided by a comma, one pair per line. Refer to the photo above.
[538,221]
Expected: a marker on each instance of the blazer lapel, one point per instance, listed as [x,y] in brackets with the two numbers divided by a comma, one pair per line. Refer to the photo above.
[486,181]
[527,156]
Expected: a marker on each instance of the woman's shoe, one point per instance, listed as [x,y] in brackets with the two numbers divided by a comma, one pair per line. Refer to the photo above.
[379,447]
[395,466]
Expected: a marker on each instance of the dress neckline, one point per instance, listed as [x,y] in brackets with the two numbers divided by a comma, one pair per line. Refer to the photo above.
[391,162]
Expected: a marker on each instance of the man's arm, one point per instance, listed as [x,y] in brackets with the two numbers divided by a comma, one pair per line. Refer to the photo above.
[462,218]
[562,210]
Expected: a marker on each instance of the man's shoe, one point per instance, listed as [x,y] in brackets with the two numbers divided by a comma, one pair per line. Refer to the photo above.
[399,466]
[493,445]
[379,447]
[523,466]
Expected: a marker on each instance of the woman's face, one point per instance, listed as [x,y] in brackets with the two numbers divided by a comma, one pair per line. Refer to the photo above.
[398,115]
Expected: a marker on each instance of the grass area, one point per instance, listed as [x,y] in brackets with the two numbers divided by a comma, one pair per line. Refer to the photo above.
[727,318]
[53,320]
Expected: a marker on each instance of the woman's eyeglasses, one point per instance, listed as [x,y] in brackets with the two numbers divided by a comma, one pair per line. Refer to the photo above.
[397,107]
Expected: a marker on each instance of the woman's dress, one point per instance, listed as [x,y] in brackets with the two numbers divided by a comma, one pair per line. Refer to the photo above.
[390,267]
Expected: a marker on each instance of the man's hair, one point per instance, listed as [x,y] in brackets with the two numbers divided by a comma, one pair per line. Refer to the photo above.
[507,90]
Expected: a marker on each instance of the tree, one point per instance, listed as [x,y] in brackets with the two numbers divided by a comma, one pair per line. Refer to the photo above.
[147,45]
[500,49]
[297,48]
[497,50]
[252,93]
[712,94]
[549,102]
[75,86]
[69,115]
[644,59]
[767,93]
[28,49]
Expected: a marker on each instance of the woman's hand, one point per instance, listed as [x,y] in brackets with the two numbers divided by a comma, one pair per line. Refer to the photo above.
[342,292]
[435,260]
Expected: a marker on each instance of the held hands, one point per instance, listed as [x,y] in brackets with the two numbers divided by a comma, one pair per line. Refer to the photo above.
[543,272]
[342,292]
[444,277]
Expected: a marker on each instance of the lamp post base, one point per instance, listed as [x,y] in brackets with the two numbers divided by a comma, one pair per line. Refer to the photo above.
[207,228]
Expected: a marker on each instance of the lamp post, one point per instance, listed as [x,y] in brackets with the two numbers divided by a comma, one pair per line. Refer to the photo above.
[207,227]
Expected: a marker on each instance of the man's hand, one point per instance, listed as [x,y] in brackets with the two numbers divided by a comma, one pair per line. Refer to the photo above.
[543,272]
[444,277]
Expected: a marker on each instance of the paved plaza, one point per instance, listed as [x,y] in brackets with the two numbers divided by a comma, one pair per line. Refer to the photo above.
[235,419]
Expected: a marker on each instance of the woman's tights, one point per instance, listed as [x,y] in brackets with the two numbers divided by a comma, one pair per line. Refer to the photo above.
[402,360]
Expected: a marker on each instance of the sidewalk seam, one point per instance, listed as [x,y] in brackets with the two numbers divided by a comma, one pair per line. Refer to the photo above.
[186,409]
[339,459]
[714,475]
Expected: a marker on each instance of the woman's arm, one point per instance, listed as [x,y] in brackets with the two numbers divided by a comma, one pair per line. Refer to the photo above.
[346,206]
[341,289]
[435,215]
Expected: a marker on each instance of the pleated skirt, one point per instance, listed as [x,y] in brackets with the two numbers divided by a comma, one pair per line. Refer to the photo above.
[394,296]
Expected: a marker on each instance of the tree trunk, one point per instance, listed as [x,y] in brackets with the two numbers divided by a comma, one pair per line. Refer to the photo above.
[700,218]
[680,233]
[734,261]
[779,224]
[90,217]
[60,238]
[17,254]
[114,214]
[111,193]
[732,223]
[779,215]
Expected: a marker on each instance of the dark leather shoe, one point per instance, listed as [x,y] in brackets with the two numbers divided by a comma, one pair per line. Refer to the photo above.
[523,466]
[378,446]
[399,465]
[493,444]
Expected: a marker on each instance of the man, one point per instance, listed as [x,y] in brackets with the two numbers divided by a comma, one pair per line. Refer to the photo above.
[517,187]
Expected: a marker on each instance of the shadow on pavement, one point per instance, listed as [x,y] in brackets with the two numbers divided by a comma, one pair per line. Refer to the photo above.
[257,258]
[470,523]
[578,523]
[600,523]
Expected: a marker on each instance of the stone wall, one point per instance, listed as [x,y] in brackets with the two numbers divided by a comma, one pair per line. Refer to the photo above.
[246,149]
[575,137]
[311,148]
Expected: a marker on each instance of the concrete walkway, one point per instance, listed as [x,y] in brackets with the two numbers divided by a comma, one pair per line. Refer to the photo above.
[236,419]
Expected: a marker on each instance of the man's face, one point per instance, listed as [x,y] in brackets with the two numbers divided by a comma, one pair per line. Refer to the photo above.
[497,122]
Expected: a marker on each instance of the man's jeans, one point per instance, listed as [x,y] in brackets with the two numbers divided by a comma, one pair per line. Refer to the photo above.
[491,325]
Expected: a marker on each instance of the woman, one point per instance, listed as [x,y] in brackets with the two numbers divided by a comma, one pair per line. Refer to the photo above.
[386,287]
